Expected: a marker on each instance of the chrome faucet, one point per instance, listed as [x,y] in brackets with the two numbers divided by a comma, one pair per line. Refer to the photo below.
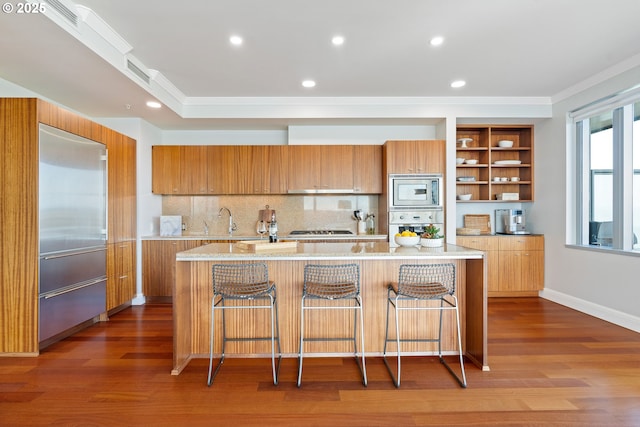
[232,225]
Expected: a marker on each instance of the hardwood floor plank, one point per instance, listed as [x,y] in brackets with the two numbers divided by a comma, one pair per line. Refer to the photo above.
[550,366]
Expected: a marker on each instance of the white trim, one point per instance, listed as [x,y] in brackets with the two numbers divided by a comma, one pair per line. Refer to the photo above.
[596,310]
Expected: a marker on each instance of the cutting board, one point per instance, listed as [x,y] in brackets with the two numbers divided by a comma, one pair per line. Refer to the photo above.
[265,246]
[479,222]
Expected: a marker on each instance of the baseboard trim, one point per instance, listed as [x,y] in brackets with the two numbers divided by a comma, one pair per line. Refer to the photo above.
[596,310]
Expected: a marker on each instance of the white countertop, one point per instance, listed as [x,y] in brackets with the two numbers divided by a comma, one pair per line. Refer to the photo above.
[306,237]
[326,251]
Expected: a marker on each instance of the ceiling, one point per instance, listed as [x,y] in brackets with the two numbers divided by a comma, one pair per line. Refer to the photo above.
[501,48]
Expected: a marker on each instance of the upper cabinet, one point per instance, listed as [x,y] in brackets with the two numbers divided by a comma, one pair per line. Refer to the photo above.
[247,169]
[179,169]
[367,169]
[266,169]
[495,162]
[411,157]
[320,168]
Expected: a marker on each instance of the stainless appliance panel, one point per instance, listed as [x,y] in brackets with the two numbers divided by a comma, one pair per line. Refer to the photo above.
[421,191]
[415,221]
[58,270]
[71,307]
[72,191]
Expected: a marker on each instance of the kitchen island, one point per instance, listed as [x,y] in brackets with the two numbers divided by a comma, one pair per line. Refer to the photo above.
[379,264]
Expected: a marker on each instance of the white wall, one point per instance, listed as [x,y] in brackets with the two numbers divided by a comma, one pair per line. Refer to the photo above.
[602,284]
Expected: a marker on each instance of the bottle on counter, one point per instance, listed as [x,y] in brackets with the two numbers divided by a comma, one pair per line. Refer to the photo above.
[371,224]
[273,229]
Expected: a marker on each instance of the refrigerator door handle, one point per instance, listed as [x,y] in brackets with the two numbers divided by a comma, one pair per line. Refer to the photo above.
[102,248]
[75,288]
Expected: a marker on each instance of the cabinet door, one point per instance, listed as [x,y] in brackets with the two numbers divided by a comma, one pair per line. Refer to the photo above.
[429,156]
[532,270]
[165,174]
[277,168]
[490,245]
[159,263]
[367,169]
[510,277]
[192,170]
[121,279]
[400,156]
[304,167]
[426,156]
[222,164]
[262,169]
[336,164]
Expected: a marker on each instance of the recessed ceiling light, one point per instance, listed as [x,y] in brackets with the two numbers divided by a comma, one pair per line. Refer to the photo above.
[235,40]
[337,40]
[308,83]
[153,104]
[458,83]
[436,41]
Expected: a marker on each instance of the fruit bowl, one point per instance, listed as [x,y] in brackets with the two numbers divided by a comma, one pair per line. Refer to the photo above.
[407,240]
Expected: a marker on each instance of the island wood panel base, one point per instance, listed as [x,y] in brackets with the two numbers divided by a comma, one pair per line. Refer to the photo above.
[192,308]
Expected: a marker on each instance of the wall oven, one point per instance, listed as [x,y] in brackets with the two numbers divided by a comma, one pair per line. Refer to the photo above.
[419,191]
[415,221]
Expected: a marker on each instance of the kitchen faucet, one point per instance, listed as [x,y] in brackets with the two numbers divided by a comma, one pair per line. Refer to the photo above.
[232,225]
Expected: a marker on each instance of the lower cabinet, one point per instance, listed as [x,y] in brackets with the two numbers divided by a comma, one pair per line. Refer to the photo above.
[515,264]
[121,273]
[159,265]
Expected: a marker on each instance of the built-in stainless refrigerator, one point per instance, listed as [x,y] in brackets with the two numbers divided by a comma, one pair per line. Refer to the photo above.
[73,230]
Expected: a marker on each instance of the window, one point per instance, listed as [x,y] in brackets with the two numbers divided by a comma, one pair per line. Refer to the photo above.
[606,143]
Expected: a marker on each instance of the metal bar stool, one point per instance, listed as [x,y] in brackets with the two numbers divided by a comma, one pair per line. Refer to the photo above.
[430,282]
[339,283]
[244,282]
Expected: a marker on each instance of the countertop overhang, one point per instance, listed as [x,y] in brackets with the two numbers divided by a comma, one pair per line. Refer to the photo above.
[299,237]
[327,251]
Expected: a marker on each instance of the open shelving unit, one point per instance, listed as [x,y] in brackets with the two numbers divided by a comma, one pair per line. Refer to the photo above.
[486,180]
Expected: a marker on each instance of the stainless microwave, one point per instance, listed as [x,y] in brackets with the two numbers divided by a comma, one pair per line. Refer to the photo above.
[415,191]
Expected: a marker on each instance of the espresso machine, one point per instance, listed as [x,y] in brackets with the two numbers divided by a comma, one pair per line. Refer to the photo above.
[511,221]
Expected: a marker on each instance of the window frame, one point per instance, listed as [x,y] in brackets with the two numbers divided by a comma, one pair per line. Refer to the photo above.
[580,175]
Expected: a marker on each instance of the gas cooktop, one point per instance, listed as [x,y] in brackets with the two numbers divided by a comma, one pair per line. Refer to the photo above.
[320,232]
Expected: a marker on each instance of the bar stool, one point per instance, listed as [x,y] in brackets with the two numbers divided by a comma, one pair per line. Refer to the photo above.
[248,282]
[430,282]
[337,284]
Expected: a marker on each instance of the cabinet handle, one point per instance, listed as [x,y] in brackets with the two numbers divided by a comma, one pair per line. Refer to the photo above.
[123,277]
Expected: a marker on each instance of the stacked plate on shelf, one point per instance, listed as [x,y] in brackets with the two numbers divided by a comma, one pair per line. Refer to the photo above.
[507,162]
[466,178]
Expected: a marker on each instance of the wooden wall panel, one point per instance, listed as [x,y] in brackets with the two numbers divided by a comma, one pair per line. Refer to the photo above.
[19,216]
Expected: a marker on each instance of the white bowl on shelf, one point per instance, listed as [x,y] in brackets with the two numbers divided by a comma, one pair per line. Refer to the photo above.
[471,161]
[464,196]
[459,160]
[407,241]
[505,143]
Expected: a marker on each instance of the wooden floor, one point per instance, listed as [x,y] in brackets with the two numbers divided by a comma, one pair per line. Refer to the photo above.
[549,366]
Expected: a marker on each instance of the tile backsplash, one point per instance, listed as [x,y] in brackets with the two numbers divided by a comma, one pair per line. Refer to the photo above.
[293,212]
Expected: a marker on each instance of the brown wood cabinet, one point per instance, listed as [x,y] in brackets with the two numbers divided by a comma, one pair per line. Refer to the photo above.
[515,264]
[179,169]
[159,265]
[20,118]
[367,169]
[492,175]
[321,168]
[121,250]
[266,169]
[121,273]
[415,156]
